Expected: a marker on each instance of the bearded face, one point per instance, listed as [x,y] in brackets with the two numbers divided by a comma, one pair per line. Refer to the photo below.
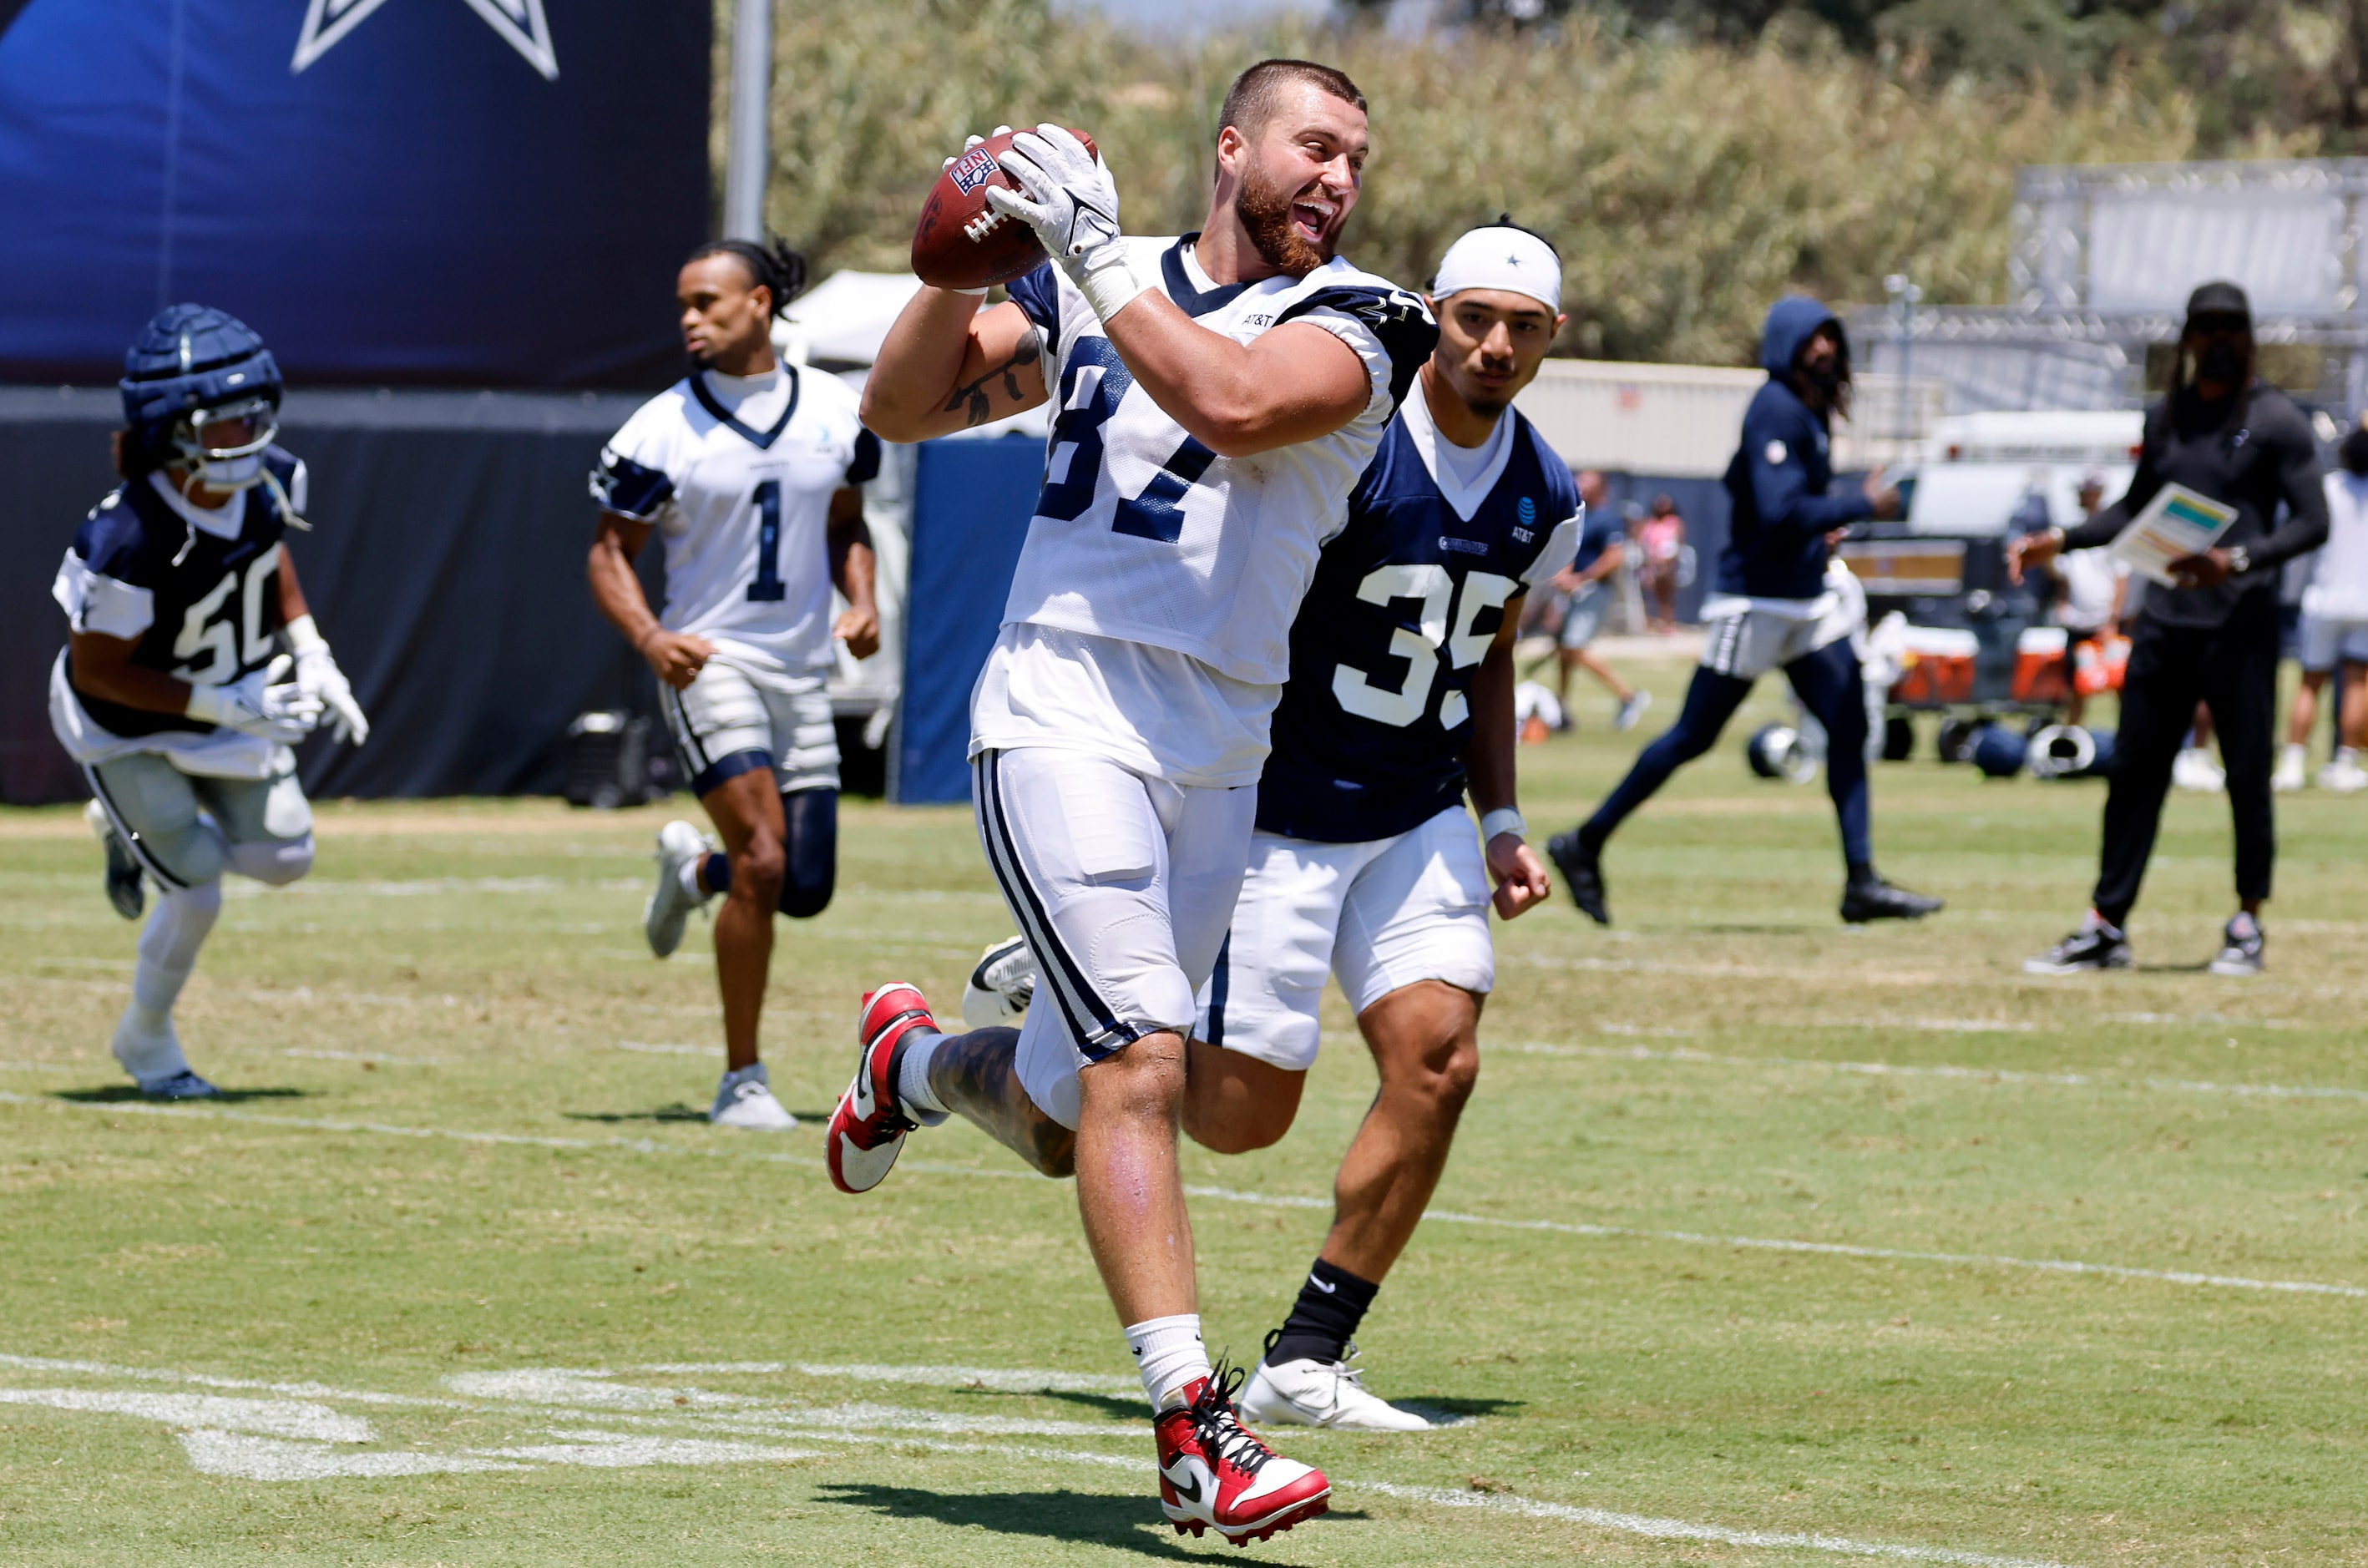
[1295,230]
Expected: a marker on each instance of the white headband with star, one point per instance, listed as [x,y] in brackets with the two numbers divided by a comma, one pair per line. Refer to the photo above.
[1496,258]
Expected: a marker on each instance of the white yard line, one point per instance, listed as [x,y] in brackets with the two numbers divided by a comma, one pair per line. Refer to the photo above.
[1829,1249]
[1962,1075]
[274,1441]
[1231,1195]
[1686,1529]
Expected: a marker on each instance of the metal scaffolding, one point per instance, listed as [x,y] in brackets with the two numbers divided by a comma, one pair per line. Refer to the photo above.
[2103,260]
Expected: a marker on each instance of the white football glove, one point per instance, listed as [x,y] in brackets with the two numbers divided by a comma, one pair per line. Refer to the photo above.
[255,706]
[1067,196]
[317,677]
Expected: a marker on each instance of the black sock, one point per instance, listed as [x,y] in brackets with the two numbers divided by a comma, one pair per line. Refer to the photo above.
[1861,871]
[1331,1304]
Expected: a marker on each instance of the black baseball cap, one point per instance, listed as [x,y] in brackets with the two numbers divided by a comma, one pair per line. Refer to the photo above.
[2223,300]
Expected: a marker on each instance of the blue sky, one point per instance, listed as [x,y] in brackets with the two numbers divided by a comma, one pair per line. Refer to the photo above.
[1192,16]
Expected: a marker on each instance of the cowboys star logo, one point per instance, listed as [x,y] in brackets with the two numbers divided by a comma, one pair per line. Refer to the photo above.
[519,22]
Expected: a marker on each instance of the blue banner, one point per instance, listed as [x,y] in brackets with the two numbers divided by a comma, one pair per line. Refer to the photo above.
[421,192]
[971,501]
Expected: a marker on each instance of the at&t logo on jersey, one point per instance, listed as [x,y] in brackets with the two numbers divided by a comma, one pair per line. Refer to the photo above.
[1527,512]
[972,169]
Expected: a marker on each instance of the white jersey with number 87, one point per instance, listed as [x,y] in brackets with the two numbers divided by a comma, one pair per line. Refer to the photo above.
[1141,533]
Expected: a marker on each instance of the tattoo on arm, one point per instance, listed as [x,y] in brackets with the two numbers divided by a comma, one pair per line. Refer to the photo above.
[978,396]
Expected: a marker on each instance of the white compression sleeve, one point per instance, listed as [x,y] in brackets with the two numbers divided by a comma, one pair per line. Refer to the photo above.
[177,928]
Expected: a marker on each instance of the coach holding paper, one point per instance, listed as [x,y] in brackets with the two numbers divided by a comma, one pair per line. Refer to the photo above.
[2215,638]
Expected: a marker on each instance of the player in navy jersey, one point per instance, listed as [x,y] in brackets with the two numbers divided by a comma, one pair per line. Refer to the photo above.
[749,470]
[1365,865]
[184,616]
[1772,607]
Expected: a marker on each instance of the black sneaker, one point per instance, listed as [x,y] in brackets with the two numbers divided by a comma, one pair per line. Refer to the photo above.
[123,888]
[1876,899]
[2096,945]
[2240,949]
[1582,865]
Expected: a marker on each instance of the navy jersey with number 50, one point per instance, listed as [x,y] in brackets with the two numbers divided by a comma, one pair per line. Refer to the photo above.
[1369,736]
[196,592]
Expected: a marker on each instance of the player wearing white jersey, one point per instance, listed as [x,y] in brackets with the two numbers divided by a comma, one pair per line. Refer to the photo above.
[1217,397]
[748,469]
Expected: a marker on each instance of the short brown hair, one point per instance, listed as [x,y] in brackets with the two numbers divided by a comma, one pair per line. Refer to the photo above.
[1250,102]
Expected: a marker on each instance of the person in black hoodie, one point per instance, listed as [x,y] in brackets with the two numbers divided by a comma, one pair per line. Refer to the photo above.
[2215,637]
[1770,608]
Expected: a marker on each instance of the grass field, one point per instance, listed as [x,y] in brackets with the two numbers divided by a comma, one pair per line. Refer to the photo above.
[1767,1241]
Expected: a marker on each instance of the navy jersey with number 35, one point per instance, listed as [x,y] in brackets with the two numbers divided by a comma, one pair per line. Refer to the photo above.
[1369,736]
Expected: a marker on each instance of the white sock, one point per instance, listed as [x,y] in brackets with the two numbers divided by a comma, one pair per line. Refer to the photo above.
[1169,1354]
[2296,754]
[913,1091]
[177,927]
[2345,756]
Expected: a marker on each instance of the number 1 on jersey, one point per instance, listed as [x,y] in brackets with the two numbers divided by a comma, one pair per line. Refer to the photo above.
[768,586]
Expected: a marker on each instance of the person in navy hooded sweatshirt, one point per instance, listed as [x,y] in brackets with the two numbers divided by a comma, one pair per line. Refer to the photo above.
[1770,608]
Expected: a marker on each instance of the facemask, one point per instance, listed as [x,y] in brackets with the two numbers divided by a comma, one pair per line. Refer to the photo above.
[237,467]
[2220,360]
[230,474]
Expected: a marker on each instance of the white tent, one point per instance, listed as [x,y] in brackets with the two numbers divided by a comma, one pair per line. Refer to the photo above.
[843,319]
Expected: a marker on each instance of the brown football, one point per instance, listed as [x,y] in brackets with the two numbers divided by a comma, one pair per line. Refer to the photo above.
[961,242]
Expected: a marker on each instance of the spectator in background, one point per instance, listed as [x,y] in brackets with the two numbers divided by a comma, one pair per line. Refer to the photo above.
[2226,433]
[2335,631]
[1660,546]
[1587,583]
[2091,589]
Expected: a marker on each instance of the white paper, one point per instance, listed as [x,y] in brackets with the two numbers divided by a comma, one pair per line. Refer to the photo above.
[2176,523]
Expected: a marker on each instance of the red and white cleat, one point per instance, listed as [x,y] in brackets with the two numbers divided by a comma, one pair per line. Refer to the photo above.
[867,1131]
[1215,1473]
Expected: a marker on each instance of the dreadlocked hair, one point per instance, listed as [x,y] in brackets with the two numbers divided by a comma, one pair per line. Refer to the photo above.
[771,265]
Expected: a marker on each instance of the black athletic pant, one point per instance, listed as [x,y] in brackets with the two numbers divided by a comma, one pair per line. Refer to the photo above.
[1831,684]
[2232,670]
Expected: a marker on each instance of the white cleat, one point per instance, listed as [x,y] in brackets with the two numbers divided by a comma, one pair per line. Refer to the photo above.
[2344,776]
[1632,711]
[744,1100]
[1001,986]
[680,845]
[2194,769]
[1308,1392]
[2289,776]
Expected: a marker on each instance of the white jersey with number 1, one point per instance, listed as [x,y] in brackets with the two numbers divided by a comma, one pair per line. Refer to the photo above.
[1149,618]
[738,473]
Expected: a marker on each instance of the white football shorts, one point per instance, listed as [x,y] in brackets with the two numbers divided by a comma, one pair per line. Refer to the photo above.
[736,717]
[1380,915]
[1123,885]
[2330,640]
[1582,617]
[1747,642]
[185,829]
